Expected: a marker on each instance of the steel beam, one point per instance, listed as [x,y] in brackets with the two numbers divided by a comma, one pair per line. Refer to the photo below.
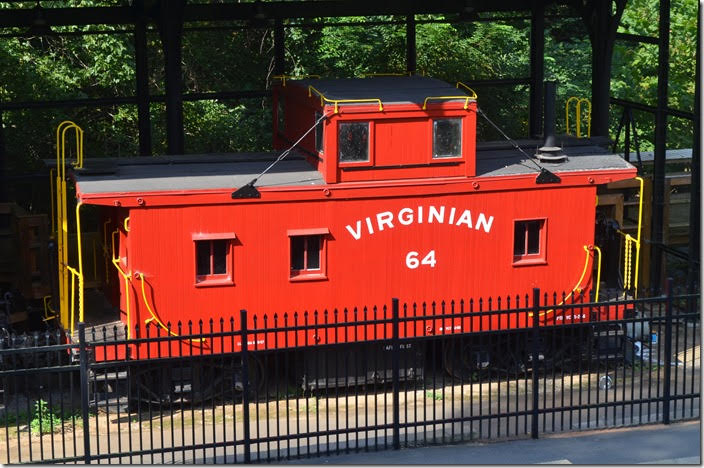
[338,8]
[171,31]
[694,246]
[3,164]
[652,109]
[128,100]
[636,38]
[142,75]
[68,16]
[279,48]
[411,44]
[658,213]
[537,62]
[602,22]
[24,17]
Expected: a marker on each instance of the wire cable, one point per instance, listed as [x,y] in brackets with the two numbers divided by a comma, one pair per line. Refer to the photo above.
[286,152]
[515,145]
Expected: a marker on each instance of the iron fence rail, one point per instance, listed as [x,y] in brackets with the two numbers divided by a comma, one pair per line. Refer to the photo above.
[427,374]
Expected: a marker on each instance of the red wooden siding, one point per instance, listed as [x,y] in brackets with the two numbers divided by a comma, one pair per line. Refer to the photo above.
[365,271]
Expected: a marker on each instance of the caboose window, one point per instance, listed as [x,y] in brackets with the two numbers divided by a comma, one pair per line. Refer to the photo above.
[447,138]
[307,254]
[213,260]
[529,241]
[319,133]
[353,141]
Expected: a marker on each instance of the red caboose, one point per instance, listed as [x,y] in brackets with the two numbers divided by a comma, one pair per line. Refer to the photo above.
[385,196]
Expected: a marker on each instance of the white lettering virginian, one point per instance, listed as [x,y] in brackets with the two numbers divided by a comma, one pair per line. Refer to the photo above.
[407,216]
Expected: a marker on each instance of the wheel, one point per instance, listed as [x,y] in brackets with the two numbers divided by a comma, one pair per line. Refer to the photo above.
[465,360]
[606,382]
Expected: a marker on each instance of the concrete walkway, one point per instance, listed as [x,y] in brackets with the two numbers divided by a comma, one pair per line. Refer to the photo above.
[678,443]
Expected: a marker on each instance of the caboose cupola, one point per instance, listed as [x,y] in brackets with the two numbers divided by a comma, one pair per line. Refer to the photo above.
[379,128]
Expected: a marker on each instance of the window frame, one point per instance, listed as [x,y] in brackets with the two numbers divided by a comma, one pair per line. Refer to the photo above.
[539,258]
[441,159]
[370,145]
[221,279]
[305,274]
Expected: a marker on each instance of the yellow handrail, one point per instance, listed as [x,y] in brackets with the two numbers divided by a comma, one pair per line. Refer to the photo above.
[598,274]
[466,100]
[324,99]
[126,276]
[74,275]
[640,225]
[80,263]
[283,78]
[153,315]
[577,287]
[473,95]
[629,241]
[579,116]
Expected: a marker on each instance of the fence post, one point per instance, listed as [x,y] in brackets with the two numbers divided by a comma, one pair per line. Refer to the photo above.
[83,358]
[245,386]
[395,358]
[534,361]
[667,354]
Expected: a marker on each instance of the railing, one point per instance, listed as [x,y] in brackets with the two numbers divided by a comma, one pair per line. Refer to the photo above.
[127,276]
[596,369]
[60,224]
[631,265]
[337,102]
[578,111]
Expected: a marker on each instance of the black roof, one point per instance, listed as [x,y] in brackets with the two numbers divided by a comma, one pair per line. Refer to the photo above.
[230,171]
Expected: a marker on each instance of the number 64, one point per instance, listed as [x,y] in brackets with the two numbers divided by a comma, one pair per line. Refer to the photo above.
[412,261]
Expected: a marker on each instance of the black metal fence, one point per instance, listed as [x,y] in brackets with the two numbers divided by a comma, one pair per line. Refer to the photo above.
[426,374]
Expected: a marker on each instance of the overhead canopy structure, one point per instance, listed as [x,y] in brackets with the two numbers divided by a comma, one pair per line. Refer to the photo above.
[170,17]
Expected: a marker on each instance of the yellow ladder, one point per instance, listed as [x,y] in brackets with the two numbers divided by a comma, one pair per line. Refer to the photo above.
[67,275]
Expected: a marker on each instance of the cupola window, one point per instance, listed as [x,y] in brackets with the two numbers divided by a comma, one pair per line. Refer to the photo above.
[447,138]
[353,141]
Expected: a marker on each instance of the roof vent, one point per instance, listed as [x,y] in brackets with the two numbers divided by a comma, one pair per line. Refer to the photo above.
[550,152]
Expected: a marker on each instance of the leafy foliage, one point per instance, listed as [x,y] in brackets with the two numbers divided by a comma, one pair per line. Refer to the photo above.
[635,72]
[78,66]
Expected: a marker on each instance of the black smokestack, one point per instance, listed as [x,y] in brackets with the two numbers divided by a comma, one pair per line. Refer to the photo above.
[550,151]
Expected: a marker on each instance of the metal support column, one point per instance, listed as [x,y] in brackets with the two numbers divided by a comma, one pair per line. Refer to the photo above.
[171,31]
[535,358]
[537,56]
[695,188]
[658,214]
[3,164]
[141,71]
[411,43]
[601,18]
[279,47]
